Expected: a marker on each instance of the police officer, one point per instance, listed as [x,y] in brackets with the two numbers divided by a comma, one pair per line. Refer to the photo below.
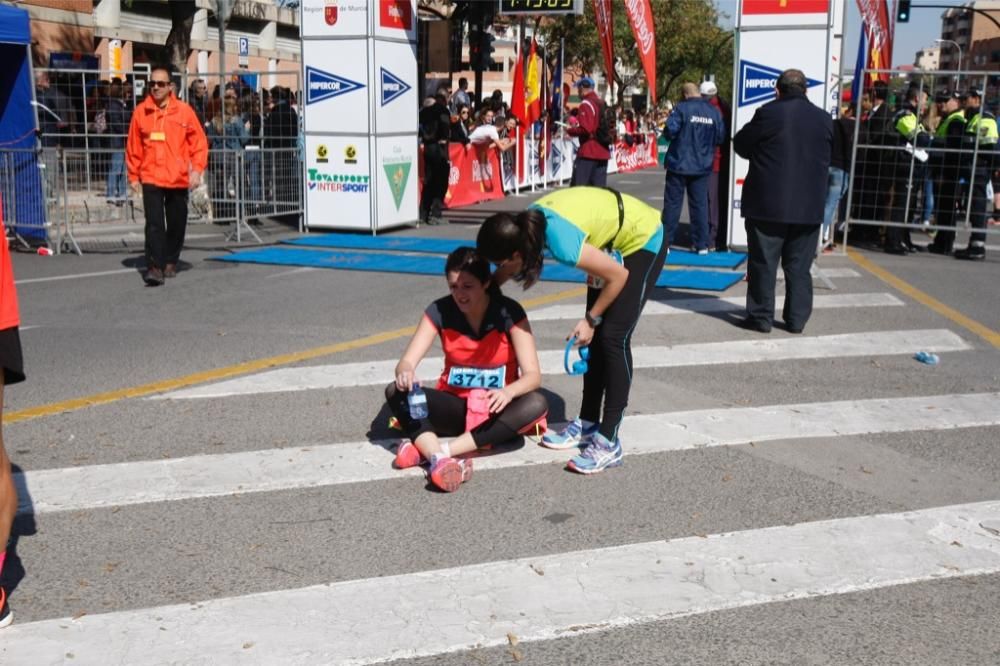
[950,135]
[908,168]
[981,128]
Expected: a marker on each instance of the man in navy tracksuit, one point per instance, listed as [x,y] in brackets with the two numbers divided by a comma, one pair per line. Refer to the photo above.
[694,129]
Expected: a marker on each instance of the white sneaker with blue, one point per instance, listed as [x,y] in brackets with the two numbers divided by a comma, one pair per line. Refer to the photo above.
[576,433]
[599,455]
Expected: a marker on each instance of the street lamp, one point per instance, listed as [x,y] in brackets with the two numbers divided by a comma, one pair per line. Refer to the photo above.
[951,41]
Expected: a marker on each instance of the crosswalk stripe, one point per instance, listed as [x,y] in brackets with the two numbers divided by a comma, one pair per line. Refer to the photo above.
[533,598]
[677,306]
[100,486]
[755,350]
[832,272]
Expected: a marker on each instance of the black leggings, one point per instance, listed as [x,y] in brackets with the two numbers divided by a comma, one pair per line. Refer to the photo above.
[446,416]
[609,373]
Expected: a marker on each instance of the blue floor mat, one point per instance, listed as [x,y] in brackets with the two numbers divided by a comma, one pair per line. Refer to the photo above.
[446,245]
[428,265]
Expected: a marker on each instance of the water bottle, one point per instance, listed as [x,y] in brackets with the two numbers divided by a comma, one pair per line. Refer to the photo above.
[927,358]
[418,402]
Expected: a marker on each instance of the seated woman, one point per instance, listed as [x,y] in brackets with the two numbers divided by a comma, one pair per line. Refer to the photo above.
[488,390]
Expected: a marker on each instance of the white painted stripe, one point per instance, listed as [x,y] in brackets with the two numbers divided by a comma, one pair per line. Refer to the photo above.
[27,328]
[628,182]
[831,273]
[345,375]
[269,470]
[294,271]
[658,197]
[727,304]
[534,598]
[76,276]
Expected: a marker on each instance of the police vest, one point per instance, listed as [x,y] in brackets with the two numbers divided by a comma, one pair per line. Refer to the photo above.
[942,130]
[907,124]
[985,124]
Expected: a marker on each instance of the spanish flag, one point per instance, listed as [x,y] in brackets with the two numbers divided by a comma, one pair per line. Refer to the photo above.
[533,86]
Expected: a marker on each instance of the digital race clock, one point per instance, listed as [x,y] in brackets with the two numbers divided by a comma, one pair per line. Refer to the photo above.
[541,6]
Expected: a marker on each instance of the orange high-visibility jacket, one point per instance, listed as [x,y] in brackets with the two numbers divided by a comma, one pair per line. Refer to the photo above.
[164,145]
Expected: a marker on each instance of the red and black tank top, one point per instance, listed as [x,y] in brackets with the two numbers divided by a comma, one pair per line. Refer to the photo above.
[489,347]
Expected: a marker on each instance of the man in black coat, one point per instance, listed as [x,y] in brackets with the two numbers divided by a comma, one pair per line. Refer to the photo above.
[788,143]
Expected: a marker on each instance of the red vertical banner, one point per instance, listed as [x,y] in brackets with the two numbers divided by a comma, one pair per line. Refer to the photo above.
[879,32]
[605,30]
[640,16]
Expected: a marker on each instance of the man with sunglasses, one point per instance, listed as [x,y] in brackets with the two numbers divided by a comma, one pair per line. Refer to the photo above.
[166,154]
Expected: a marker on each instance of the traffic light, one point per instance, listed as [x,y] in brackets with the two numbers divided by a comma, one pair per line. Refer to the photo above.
[486,51]
[475,45]
[903,11]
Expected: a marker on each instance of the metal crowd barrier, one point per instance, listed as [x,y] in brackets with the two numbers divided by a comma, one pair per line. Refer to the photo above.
[90,188]
[898,183]
[25,195]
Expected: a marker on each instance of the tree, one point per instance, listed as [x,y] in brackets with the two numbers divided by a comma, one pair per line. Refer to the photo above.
[177,48]
[689,44]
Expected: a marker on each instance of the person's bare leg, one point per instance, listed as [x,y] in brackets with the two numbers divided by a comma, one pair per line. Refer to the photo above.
[8,493]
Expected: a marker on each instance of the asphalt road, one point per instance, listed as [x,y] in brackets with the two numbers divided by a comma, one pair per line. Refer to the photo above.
[101,332]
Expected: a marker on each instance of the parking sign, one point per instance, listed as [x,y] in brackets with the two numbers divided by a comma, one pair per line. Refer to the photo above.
[244,51]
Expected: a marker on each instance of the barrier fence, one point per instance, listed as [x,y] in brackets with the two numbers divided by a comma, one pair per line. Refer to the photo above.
[923,165]
[254,149]
[484,174]
[23,194]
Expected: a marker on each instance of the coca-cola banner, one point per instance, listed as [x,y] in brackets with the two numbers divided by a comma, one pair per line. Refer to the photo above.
[474,177]
[605,30]
[641,18]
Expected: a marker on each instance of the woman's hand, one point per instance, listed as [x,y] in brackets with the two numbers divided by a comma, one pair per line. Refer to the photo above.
[404,376]
[583,332]
[498,400]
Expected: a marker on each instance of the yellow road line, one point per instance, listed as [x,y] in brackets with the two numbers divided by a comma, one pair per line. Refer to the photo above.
[238,369]
[983,331]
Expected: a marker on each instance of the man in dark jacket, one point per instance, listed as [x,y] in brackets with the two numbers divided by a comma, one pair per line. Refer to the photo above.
[788,143]
[591,166]
[435,129]
[950,135]
[694,129]
[281,140]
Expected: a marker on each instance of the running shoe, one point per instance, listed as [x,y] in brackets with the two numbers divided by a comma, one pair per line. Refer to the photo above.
[575,434]
[408,455]
[599,455]
[6,616]
[448,474]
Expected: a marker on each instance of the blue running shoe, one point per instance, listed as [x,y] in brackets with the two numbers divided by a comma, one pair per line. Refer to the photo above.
[599,455]
[575,434]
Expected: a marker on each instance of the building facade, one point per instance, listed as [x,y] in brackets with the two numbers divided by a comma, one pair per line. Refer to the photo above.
[928,58]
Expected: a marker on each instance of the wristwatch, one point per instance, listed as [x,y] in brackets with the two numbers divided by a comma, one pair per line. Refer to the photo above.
[593,321]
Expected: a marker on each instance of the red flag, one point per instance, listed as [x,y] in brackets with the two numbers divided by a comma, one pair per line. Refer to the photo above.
[517,108]
[640,16]
[605,30]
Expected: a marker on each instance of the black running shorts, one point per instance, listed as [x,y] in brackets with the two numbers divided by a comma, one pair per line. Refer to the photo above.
[10,356]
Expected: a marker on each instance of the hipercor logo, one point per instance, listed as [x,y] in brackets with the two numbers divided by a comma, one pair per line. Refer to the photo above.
[322,85]
[392,86]
[757,82]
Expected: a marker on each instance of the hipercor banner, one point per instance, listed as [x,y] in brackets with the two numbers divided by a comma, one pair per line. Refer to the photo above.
[775,35]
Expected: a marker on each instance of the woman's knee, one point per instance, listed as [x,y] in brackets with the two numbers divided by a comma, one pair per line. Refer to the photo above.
[534,406]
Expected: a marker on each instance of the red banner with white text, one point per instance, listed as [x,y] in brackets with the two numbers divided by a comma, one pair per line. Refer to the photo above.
[475,175]
[640,16]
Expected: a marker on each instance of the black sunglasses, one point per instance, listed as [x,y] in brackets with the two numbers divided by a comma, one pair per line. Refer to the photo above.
[159,84]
